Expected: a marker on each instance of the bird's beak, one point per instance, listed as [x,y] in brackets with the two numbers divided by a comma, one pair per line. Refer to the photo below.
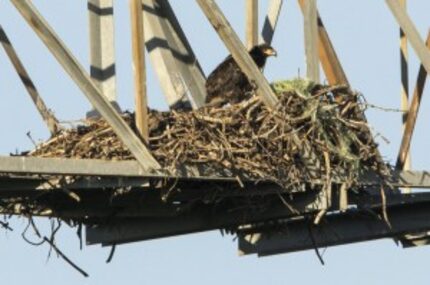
[271,52]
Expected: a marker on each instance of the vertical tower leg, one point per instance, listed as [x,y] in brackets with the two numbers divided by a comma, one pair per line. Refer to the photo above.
[139,70]
[404,95]
[251,23]
[102,46]
[311,40]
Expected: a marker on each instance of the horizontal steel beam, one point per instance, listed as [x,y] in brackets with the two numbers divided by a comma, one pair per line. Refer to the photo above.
[338,229]
[93,167]
[59,166]
[119,231]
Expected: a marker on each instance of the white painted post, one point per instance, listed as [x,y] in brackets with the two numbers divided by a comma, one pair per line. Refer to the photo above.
[102,46]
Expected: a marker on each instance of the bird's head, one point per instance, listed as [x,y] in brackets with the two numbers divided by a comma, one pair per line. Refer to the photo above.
[267,50]
[261,52]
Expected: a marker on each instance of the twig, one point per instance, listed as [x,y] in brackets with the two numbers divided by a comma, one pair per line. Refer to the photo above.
[314,244]
[384,207]
[6,226]
[63,256]
[111,254]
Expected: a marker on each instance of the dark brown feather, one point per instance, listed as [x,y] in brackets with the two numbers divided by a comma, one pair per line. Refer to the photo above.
[228,84]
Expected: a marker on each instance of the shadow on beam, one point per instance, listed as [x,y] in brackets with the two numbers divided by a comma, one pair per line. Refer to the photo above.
[336,230]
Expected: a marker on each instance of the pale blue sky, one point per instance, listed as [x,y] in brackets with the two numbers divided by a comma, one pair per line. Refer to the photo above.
[366,38]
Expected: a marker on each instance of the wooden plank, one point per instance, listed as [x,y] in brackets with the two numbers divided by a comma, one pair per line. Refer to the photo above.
[251,23]
[271,21]
[102,46]
[311,40]
[338,229]
[85,83]
[139,69]
[178,70]
[411,32]
[412,115]
[47,116]
[238,51]
[329,60]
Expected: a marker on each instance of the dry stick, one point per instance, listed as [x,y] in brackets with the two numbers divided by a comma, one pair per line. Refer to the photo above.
[111,254]
[63,256]
[329,60]
[138,48]
[327,190]
[54,231]
[6,226]
[314,244]
[48,117]
[412,114]
[384,207]
[36,231]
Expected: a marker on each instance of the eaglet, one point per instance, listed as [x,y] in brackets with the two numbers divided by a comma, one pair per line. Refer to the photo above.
[228,84]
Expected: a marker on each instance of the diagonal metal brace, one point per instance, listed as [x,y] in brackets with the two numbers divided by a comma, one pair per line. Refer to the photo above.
[238,51]
[85,83]
[271,21]
[47,116]
[179,72]
[411,32]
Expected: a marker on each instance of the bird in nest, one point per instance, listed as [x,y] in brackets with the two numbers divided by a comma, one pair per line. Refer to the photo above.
[228,84]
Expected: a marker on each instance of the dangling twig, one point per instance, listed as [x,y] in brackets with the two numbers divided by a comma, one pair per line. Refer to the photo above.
[111,254]
[384,206]
[63,256]
[314,244]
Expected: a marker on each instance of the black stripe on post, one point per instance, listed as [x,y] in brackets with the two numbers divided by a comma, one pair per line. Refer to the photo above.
[108,11]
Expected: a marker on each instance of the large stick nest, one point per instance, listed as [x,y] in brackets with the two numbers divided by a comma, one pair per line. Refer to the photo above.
[315,133]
